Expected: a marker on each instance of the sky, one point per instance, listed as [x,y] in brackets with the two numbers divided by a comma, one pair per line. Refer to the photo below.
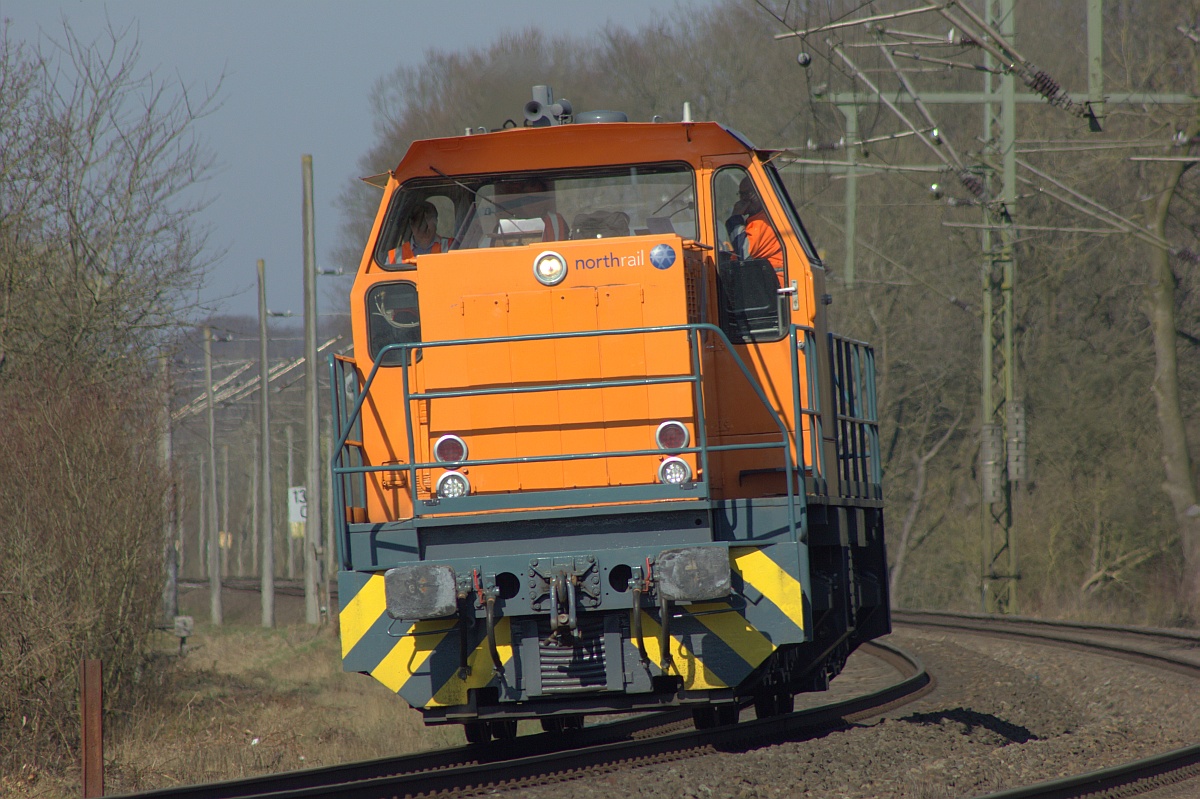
[297,75]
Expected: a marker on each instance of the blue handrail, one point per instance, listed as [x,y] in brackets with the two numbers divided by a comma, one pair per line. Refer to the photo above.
[348,418]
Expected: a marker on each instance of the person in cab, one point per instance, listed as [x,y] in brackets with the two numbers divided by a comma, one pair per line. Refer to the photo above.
[750,232]
[423,238]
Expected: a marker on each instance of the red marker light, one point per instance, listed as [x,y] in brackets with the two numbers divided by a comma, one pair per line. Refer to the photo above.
[671,435]
[450,449]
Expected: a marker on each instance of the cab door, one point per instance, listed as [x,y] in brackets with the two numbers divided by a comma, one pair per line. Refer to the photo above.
[754,294]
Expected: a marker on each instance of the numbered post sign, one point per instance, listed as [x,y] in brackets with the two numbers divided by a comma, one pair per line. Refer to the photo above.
[297,510]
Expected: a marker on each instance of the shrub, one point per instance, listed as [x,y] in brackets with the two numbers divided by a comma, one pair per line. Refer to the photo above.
[80,555]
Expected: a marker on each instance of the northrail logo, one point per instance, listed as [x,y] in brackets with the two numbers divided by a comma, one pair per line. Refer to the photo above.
[661,257]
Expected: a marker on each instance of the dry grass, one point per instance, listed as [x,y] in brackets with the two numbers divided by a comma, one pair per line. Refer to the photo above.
[247,701]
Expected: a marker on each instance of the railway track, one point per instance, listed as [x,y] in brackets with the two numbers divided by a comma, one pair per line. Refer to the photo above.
[547,758]
[283,586]
[1177,651]
[663,737]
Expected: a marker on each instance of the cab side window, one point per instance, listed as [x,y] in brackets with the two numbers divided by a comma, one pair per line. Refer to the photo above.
[394,318]
[751,268]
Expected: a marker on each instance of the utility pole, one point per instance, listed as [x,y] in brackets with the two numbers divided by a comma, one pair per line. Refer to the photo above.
[170,606]
[181,530]
[225,540]
[1000,568]
[202,520]
[291,481]
[214,543]
[255,540]
[267,527]
[241,537]
[312,423]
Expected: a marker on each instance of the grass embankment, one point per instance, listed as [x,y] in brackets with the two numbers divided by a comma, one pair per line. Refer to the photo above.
[244,701]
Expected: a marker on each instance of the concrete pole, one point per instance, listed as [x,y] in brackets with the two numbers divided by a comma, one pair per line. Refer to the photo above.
[267,526]
[214,542]
[240,543]
[225,510]
[170,606]
[291,481]
[181,531]
[202,520]
[312,425]
[254,527]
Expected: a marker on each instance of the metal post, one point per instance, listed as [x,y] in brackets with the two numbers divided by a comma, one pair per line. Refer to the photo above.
[91,702]
[999,566]
[1095,23]
[267,526]
[214,537]
[312,424]
[850,112]
[170,605]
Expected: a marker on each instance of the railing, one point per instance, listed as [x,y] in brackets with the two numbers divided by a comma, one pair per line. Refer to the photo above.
[859,467]
[348,491]
[804,340]
[349,399]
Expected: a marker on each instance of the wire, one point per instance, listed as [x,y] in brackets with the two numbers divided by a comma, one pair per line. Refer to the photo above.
[933,288]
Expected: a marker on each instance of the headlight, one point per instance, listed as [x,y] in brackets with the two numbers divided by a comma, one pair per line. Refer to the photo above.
[452,485]
[450,449]
[693,574]
[549,268]
[671,435]
[420,591]
[674,471]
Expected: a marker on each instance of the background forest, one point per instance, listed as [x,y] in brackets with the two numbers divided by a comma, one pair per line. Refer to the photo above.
[100,260]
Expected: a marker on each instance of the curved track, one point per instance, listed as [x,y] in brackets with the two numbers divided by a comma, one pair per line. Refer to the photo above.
[1173,650]
[668,736]
[546,758]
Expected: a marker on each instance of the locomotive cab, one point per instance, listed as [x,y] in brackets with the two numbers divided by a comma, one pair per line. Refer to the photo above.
[597,451]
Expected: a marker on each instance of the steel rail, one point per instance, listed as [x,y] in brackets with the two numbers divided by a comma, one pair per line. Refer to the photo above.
[550,756]
[268,784]
[1069,635]
[1128,779]
[917,617]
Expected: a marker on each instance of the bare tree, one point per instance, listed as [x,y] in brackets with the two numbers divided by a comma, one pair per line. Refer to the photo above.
[1178,464]
[99,257]
[99,246]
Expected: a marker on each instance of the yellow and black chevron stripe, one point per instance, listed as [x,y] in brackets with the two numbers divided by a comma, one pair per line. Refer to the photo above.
[713,645]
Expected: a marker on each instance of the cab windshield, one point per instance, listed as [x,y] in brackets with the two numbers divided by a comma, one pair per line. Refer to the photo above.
[436,215]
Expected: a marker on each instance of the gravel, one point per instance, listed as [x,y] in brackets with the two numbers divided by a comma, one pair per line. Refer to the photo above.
[1003,715]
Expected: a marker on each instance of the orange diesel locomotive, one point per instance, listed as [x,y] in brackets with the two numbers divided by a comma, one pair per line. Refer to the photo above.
[597,449]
